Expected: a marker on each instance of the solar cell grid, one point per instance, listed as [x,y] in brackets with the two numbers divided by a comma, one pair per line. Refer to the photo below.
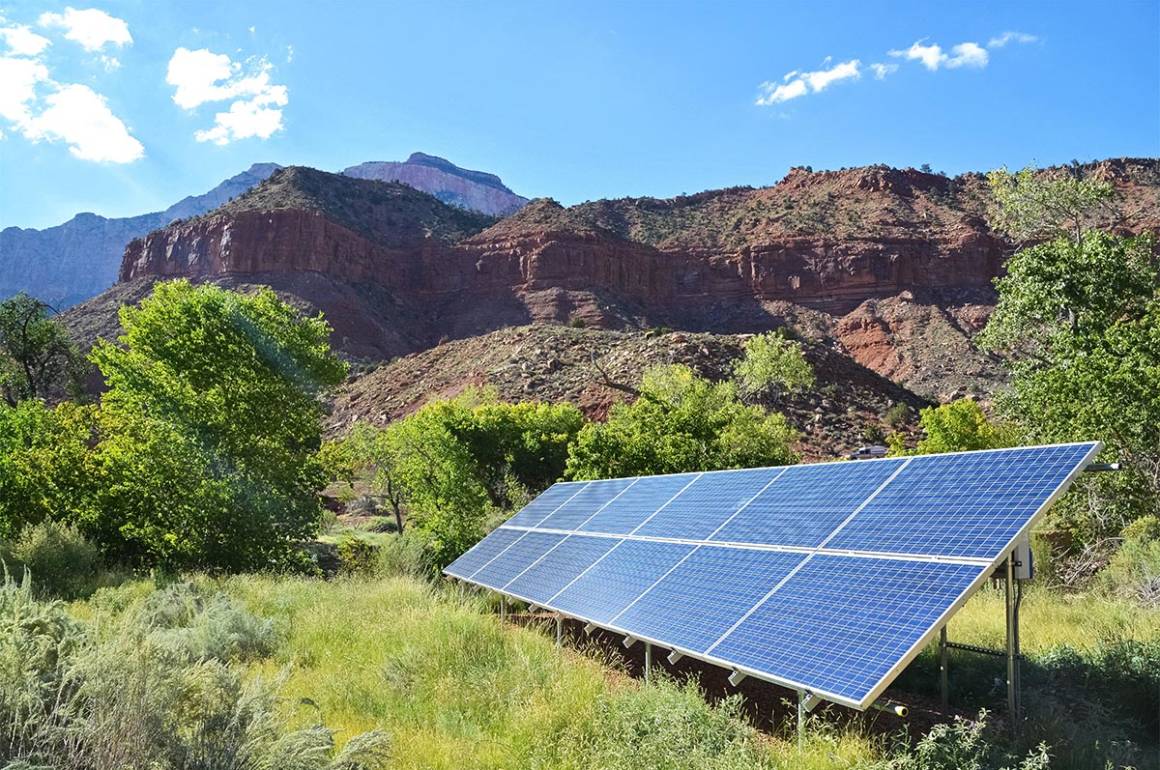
[618,578]
[558,567]
[706,593]
[841,622]
[637,503]
[551,499]
[515,559]
[968,505]
[706,504]
[483,552]
[581,506]
[806,503]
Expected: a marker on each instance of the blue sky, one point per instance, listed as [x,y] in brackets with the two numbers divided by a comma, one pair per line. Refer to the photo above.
[112,106]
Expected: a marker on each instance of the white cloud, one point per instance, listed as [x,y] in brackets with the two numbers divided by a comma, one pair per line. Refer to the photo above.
[202,76]
[1011,37]
[882,70]
[37,107]
[18,81]
[80,117]
[22,41]
[795,84]
[93,29]
[966,54]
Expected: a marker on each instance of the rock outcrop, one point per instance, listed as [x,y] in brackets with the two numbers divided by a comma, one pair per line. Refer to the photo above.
[896,266]
[474,190]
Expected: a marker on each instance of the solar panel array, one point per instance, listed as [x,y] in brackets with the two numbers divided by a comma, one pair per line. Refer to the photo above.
[826,577]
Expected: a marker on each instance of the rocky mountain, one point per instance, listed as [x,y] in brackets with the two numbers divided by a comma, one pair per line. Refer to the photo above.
[71,262]
[474,190]
[560,363]
[894,267]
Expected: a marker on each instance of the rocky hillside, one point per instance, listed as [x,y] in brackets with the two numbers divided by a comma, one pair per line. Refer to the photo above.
[559,363]
[893,266]
[69,263]
[474,190]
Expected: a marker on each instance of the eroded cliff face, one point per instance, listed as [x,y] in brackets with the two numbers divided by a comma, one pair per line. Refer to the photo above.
[895,267]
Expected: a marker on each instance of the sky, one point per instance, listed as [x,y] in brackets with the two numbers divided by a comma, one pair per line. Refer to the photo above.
[121,107]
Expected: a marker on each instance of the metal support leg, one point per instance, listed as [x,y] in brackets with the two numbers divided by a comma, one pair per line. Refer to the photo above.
[1012,704]
[647,662]
[1018,653]
[559,631]
[502,609]
[801,725]
[944,685]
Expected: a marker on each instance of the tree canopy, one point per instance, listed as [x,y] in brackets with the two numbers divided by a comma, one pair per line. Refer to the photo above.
[36,355]
[681,422]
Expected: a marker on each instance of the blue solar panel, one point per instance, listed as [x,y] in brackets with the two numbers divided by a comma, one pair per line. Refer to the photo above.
[483,552]
[618,578]
[692,606]
[806,503]
[841,622]
[706,504]
[552,498]
[754,569]
[515,559]
[637,503]
[588,501]
[558,567]
[969,504]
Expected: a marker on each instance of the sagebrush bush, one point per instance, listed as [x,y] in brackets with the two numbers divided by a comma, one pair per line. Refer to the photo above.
[357,556]
[162,688]
[1134,570]
[62,562]
[409,554]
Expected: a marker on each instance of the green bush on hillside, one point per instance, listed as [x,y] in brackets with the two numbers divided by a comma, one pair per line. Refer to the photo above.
[1134,570]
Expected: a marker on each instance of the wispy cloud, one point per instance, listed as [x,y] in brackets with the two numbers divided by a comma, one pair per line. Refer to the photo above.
[1011,37]
[933,57]
[795,84]
[94,30]
[967,54]
[202,76]
[39,108]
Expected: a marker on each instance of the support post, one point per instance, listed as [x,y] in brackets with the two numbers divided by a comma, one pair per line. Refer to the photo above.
[502,608]
[1012,705]
[944,685]
[647,662]
[801,721]
[559,631]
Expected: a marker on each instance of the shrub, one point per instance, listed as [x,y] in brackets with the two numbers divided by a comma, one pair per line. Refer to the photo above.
[1134,570]
[357,555]
[897,415]
[61,562]
[961,745]
[576,322]
[37,643]
[410,554]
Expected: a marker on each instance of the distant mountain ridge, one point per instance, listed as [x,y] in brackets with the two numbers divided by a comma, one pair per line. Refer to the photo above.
[76,260]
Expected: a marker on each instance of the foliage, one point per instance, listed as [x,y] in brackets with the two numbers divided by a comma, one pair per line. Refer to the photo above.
[681,422]
[1031,206]
[1079,316]
[37,358]
[453,461]
[357,555]
[1134,570]
[958,426]
[211,427]
[46,464]
[772,361]
[60,561]
[163,688]
[897,415]
[962,745]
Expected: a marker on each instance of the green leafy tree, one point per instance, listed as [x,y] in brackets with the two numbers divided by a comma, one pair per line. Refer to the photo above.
[772,362]
[1079,319]
[959,426]
[681,422]
[46,463]
[37,358]
[211,427]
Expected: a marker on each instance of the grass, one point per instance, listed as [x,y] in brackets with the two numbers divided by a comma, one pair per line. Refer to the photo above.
[455,688]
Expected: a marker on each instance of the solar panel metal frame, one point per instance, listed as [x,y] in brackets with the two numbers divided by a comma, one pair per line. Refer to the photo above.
[988,568]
